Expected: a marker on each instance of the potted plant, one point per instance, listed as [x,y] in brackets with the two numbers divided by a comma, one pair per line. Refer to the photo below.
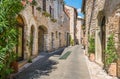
[30,60]
[14,66]
[111,56]
[91,48]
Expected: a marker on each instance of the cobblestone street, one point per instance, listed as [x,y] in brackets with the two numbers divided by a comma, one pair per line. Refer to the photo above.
[97,72]
[42,66]
[60,39]
[76,66]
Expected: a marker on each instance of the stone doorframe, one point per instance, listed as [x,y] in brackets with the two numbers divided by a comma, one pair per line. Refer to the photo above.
[20,45]
[100,38]
[45,36]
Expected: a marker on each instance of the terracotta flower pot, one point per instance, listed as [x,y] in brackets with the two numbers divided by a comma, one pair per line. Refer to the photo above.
[92,57]
[30,1]
[112,69]
[14,66]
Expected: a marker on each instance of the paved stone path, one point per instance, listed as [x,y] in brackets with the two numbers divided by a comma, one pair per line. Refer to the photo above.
[41,66]
[74,67]
[97,72]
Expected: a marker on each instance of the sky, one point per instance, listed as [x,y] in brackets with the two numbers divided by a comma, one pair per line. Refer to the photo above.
[77,4]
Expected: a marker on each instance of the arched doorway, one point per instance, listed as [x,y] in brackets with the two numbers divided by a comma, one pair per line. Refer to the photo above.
[20,45]
[59,39]
[100,38]
[31,40]
[52,40]
[103,38]
[68,39]
[42,30]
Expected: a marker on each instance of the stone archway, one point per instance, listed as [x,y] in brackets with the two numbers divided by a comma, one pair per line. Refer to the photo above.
[20,45]
[103,38]
[42,30]
[100,39]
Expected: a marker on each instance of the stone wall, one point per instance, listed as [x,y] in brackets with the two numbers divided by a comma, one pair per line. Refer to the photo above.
[88,10]
[92,13]
[103,19]
[54,28]
[113,25]
[73,20]
[78,30]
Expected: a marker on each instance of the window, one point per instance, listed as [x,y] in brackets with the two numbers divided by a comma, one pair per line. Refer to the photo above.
[44,5]
[50,10]
[33,12]
[52,13]
[56,34]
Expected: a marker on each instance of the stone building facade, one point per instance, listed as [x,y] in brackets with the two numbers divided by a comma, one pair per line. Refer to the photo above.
[72,13]
[92,9]
[102,20]
[112,16]
[43,27]
[79,31]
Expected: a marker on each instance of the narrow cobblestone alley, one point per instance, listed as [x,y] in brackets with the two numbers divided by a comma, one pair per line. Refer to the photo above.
[74,67]
[60,39]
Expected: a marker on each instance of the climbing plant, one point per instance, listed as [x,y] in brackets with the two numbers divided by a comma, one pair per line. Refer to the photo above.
[71,41]
[91,47]
[33,2]
[110,51]
[8,34]
[83,27]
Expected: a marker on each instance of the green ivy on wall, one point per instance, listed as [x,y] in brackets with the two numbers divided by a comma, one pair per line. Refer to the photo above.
[91,47]
[34,3]
[110,52]
[71,41]
[8,34]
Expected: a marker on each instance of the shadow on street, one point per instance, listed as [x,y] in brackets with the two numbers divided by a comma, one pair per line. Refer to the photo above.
[42,66]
